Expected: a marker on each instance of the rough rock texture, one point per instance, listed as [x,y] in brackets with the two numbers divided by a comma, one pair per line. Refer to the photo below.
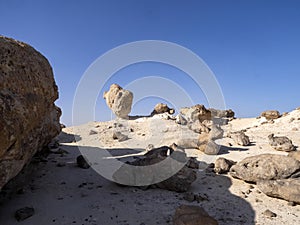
[287,189]
[270,114]
[198,127]
[240,138]
[223,165]
[162,108]
[196,112]
[222,113]
[29,119]
[192,215]
[281,143]
[179,182]
[119,100]
[179,119]
[295,155]
[265,167]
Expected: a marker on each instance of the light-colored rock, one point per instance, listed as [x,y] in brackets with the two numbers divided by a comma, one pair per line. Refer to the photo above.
[270,114]
[162,108]
[29,119]
[117,135]
[198,127]
[240,138]
[223,165]
[295,155]
[265,167]
[119,100]
[179,119]
[281,143]
[287,189]
[196,112]
[222,113]
[192,215]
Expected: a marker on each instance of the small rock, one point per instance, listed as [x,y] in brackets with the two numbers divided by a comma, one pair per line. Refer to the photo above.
[270,114]
[24,213]
[291,204]
[281,143]
[61,164]
[240,138]
[82,163]
[269,213]
[119,136]
[162,108]
[192,215]
[223,165]
[92,132]
[189,196]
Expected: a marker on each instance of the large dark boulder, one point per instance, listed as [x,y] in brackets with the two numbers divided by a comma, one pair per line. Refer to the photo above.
[29,118]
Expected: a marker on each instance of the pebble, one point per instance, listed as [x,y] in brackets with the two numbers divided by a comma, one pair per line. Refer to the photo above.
[24,213]
[269,213]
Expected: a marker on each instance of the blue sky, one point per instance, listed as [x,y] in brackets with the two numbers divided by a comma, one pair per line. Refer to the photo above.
[253,47]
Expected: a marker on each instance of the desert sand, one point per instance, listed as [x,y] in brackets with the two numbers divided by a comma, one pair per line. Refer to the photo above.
[62,193]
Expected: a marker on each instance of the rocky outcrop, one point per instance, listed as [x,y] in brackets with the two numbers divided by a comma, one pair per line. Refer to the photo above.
[29,119]
[265,167]
[196,112]
[287,189]
[281,143]
[192,215]
[240,138]
[179,181]
[119,100]
[270,114]
[162,108]
[222,113]
[198,127]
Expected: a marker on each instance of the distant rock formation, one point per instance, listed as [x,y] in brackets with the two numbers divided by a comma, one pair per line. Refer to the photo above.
[281,143]
[222,113]
[196,112]
[29,119]
[270,114]
[119,100]
[162,108]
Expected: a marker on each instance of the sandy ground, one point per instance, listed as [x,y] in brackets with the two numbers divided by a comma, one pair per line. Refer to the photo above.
[70,195]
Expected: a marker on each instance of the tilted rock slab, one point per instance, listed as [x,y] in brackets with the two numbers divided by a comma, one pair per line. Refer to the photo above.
[29,119]
[265,167]
[287,189]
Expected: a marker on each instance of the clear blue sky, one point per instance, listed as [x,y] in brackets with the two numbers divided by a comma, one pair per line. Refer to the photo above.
[253,47]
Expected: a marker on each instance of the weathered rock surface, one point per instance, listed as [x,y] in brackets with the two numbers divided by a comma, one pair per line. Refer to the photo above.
[265,167]
[179,119]
[223,165]
[162,108]
[29,119]
[24,213]
[134,173]
[295,155]
[192,215]
[196,112]
[287,189]
[117,135]
[240,138]
[222,113]
[119,100]
[270,114]
[281,143]
[198,127]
